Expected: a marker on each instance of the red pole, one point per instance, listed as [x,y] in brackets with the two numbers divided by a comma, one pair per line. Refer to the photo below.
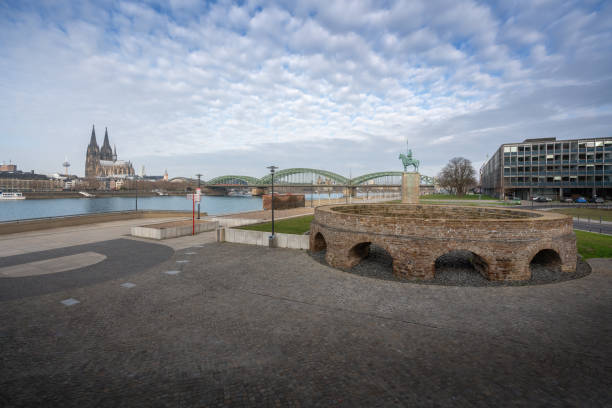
[193,216]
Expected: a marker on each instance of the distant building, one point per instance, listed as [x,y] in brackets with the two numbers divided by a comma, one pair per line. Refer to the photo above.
[8,167]
[17,180]
[10,171]
[550,167]
[102,162]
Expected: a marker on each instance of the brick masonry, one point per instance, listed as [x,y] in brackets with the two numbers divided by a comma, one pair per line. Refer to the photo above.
[503,241]
[283,201]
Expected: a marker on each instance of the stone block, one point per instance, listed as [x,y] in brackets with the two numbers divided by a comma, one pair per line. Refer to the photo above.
[411,183]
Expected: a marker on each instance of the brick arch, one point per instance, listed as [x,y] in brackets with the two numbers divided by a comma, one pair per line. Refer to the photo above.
[357,252]
[319,242]
[359,249]
[553,256]
[482,264]
[536,249]
[568,264]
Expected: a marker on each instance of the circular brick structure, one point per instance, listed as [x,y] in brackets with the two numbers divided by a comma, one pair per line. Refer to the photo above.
[502,242]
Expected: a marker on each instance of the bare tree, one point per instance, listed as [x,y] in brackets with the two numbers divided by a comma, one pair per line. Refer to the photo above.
[457,176]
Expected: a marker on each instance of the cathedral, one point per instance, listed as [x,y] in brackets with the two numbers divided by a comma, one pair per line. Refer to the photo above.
[102,162]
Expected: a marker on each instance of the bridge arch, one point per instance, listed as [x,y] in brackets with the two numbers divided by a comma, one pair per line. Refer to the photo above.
[372,176]
[231,179]
[279,175]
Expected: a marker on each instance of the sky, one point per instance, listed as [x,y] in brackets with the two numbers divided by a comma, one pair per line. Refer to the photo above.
[233,87]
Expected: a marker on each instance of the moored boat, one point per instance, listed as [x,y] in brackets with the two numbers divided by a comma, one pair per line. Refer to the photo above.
[11,196]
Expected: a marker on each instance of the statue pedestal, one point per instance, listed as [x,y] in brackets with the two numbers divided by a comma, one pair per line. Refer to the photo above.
[410,188]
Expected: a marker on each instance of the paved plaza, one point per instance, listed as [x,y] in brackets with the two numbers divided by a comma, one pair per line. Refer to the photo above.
[206,324]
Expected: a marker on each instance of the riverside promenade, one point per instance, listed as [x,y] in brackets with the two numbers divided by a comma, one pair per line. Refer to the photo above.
[92,317]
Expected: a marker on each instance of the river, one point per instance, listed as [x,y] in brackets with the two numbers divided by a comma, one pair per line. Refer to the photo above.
[26,209]
[55,207]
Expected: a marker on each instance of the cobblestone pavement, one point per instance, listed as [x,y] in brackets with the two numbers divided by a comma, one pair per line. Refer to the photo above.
[253,326]
[124,257]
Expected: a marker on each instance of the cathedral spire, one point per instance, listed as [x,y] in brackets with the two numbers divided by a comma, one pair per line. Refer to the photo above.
[92,141]
[106,153]
[106,142]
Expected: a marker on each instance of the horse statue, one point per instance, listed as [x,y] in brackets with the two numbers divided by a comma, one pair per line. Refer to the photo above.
[407,160]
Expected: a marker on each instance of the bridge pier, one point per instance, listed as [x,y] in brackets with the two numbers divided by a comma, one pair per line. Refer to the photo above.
[350,192]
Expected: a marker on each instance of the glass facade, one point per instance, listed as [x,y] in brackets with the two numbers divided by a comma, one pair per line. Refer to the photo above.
[549,164]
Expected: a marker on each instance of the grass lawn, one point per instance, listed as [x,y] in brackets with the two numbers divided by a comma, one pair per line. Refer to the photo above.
[454,197]
[592,245]
[297,225]
[594,213]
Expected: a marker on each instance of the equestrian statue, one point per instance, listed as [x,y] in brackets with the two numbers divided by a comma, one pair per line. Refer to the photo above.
[407,160]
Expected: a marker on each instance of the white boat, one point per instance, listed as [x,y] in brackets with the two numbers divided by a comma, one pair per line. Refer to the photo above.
[238,193]
[11,196]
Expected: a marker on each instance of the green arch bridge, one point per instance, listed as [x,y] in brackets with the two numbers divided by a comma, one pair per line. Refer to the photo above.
[307,177]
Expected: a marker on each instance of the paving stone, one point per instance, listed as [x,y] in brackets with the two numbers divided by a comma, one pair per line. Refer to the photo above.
[70,302]
[258,326]
[123,257]
[128,285]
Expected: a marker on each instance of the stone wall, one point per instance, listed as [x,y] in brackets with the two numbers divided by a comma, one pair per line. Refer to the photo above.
[283,201]
[12,227]
[503,241]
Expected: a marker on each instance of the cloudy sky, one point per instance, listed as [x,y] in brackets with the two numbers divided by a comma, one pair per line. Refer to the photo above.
[230,88]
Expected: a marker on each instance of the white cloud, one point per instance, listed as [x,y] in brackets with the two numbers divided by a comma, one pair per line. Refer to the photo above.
[338,78]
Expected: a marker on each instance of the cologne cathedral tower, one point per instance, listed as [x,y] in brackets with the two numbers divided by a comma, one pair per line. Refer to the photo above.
[102,162]
[106,153]
[92,160]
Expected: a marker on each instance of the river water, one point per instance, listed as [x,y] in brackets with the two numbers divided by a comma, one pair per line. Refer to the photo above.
[25,209]
[11,210]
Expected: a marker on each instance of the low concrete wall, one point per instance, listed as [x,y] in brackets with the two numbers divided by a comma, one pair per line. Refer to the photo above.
[149,231]
[235,222]
[11,227]
[260,238]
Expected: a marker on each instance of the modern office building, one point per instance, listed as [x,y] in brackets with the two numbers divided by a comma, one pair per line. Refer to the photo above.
[551,168]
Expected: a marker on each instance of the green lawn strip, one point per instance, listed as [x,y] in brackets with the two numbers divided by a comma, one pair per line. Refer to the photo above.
[455,197]
[593,213]
[592,245]
[297,225]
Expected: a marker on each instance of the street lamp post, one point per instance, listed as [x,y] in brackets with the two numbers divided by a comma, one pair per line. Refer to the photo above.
[136,181]
[199,176]
[272,238]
